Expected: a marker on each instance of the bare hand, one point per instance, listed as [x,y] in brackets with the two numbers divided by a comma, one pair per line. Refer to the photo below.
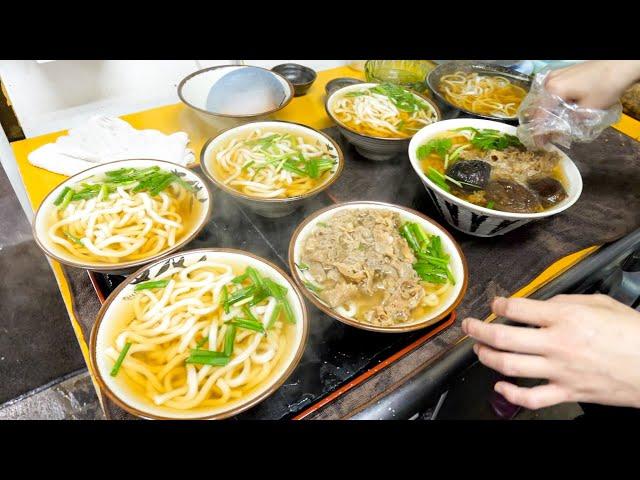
[587,346]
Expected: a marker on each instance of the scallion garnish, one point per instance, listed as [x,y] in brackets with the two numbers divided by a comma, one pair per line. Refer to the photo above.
[229,339]
[123,353]
[60,197]
[432,262]
[151,284]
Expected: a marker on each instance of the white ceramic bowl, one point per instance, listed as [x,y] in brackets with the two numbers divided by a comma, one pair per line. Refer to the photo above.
[118,307]
[41,220]
[373,148]
[458,263]
[476,220]
[269,207]
[194,90]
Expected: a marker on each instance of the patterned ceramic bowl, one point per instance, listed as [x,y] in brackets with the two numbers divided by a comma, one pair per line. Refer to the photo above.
[481,221]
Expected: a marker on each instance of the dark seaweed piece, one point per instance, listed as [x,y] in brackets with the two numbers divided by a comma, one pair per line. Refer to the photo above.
[550,190]
[473,173]
[510,196]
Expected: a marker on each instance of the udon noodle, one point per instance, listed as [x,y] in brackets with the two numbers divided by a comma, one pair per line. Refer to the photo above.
[123,215]
[385,110]
[201,336]
[271,164]
[484,94]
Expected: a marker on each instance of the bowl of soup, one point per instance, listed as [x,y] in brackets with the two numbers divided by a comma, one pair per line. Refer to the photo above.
[225,96]
[120,215]
[272,167]
[482,90]
[203,334]
[485,182]
[378,266]
[379,119]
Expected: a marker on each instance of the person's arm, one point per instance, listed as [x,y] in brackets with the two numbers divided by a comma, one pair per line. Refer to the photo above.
[587,346]
[594,84]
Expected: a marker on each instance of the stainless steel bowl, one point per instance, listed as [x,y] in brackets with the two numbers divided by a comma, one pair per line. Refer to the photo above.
[449,110]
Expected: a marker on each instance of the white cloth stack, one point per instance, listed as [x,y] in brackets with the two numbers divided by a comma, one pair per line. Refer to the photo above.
[105,139]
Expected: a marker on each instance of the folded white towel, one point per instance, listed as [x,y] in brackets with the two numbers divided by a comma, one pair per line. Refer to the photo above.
[105,139]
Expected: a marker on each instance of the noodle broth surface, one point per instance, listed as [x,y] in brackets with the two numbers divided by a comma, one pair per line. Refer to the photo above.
[358,263]
[512,164]
[122,225]
[155,376]
[273,162]
[386,110]
[483,94]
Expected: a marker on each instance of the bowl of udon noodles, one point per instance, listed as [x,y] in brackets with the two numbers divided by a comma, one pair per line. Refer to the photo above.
[485,182]
[203,334]
[120,215]
[379,119]
[272,167]
[481,90]
[224,96]
[378,266]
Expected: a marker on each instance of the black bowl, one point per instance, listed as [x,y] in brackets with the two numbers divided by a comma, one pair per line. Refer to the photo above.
[450,110]
[301,77]
[338,83]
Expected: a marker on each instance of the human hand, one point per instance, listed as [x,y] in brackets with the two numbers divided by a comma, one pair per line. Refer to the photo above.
[587,346]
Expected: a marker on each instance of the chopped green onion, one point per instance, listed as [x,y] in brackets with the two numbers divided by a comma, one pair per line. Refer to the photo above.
[60,197]
[247,311]
[151,284]
[123,353]
[240,278]
[438,178]
[73,238]
[312,287]
[247,324]
[302,266]
[205,360]
[491,204]
[224,298]
[240,295]
[229,339]
[274,315]
[66,200]
[202,341]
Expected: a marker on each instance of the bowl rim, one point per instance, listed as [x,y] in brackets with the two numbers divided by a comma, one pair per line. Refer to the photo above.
[225,414]
[350,321]
[429,101]
[297,66]
[489,69]
[134,263]
[205,167]
[184,81]
[486,211]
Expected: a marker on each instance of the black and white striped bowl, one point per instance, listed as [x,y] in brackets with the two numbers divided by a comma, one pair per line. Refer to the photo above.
[476,220]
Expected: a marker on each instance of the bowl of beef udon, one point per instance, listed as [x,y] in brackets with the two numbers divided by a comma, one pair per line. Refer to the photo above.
[272,167]
[379,119]
[378,266]
[481,90]
[485,182]
[203,334]
[120,215]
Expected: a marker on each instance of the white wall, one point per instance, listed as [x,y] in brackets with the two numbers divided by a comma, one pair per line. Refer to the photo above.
[60,94]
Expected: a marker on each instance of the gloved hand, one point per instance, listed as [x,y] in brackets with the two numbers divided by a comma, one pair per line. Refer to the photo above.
[574,104]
